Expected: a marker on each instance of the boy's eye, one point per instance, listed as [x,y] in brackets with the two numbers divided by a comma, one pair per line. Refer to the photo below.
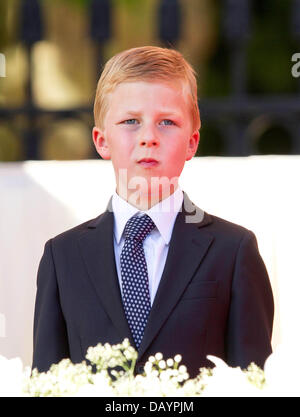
[130,121]
[167,122]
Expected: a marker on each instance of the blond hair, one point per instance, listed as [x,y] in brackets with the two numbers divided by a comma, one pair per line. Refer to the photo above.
[147,63]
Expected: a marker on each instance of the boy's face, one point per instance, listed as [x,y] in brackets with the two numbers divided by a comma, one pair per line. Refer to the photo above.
[148,133]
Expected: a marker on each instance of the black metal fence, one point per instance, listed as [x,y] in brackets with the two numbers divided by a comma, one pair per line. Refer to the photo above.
[233,116]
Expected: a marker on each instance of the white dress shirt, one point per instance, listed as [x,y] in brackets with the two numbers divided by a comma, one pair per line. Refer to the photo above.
[156,244]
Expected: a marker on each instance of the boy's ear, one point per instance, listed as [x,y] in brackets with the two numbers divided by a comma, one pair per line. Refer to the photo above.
[100,143]
[193,145]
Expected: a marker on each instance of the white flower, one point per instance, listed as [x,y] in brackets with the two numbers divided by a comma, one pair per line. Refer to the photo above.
[107,356]
[12,377]
[228,382]
[148,367]
[100,386]
[170,362]
[162,364]
[161,377]
[182,369]
[62,379]
[177,358]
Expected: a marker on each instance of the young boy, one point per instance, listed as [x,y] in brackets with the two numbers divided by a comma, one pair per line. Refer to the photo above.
[153,267]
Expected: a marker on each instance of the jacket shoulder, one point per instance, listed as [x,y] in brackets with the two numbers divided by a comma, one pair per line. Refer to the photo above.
[76,231]
[215,225]
[227,229]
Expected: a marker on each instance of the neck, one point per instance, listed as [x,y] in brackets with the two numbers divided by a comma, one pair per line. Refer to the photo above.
[144,201]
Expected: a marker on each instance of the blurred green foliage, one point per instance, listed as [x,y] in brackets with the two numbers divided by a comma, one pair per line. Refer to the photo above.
[271,47]
[275,140]
[269,50]
[81,3]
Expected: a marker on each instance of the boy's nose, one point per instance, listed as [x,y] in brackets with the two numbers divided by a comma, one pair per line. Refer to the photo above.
[149,142]
[148,138]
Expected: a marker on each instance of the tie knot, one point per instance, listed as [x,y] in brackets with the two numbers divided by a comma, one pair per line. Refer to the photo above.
[138,227]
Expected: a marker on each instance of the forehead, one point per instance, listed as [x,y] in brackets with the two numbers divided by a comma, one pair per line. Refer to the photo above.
[155,93]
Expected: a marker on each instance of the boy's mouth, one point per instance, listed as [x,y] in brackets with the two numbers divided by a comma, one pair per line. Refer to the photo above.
[148,162]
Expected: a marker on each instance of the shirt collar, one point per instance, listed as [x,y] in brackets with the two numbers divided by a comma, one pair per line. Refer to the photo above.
[163,214]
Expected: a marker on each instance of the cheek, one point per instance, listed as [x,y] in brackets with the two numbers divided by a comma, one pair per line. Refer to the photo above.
[122,150]
[119,143]
[177,149]
[176,158]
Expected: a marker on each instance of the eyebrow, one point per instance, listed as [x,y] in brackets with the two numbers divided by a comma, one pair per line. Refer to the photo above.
[132,113]
[161,114]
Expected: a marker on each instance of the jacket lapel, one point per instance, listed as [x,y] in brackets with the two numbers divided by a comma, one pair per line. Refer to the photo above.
[97,250]
[188,246]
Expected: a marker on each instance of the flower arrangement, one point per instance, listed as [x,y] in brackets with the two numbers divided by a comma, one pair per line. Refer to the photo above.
[111,373]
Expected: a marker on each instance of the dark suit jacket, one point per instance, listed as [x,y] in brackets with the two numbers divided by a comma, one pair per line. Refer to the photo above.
[214,296]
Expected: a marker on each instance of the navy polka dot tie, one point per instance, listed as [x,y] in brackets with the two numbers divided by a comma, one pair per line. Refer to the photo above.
[135,285]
